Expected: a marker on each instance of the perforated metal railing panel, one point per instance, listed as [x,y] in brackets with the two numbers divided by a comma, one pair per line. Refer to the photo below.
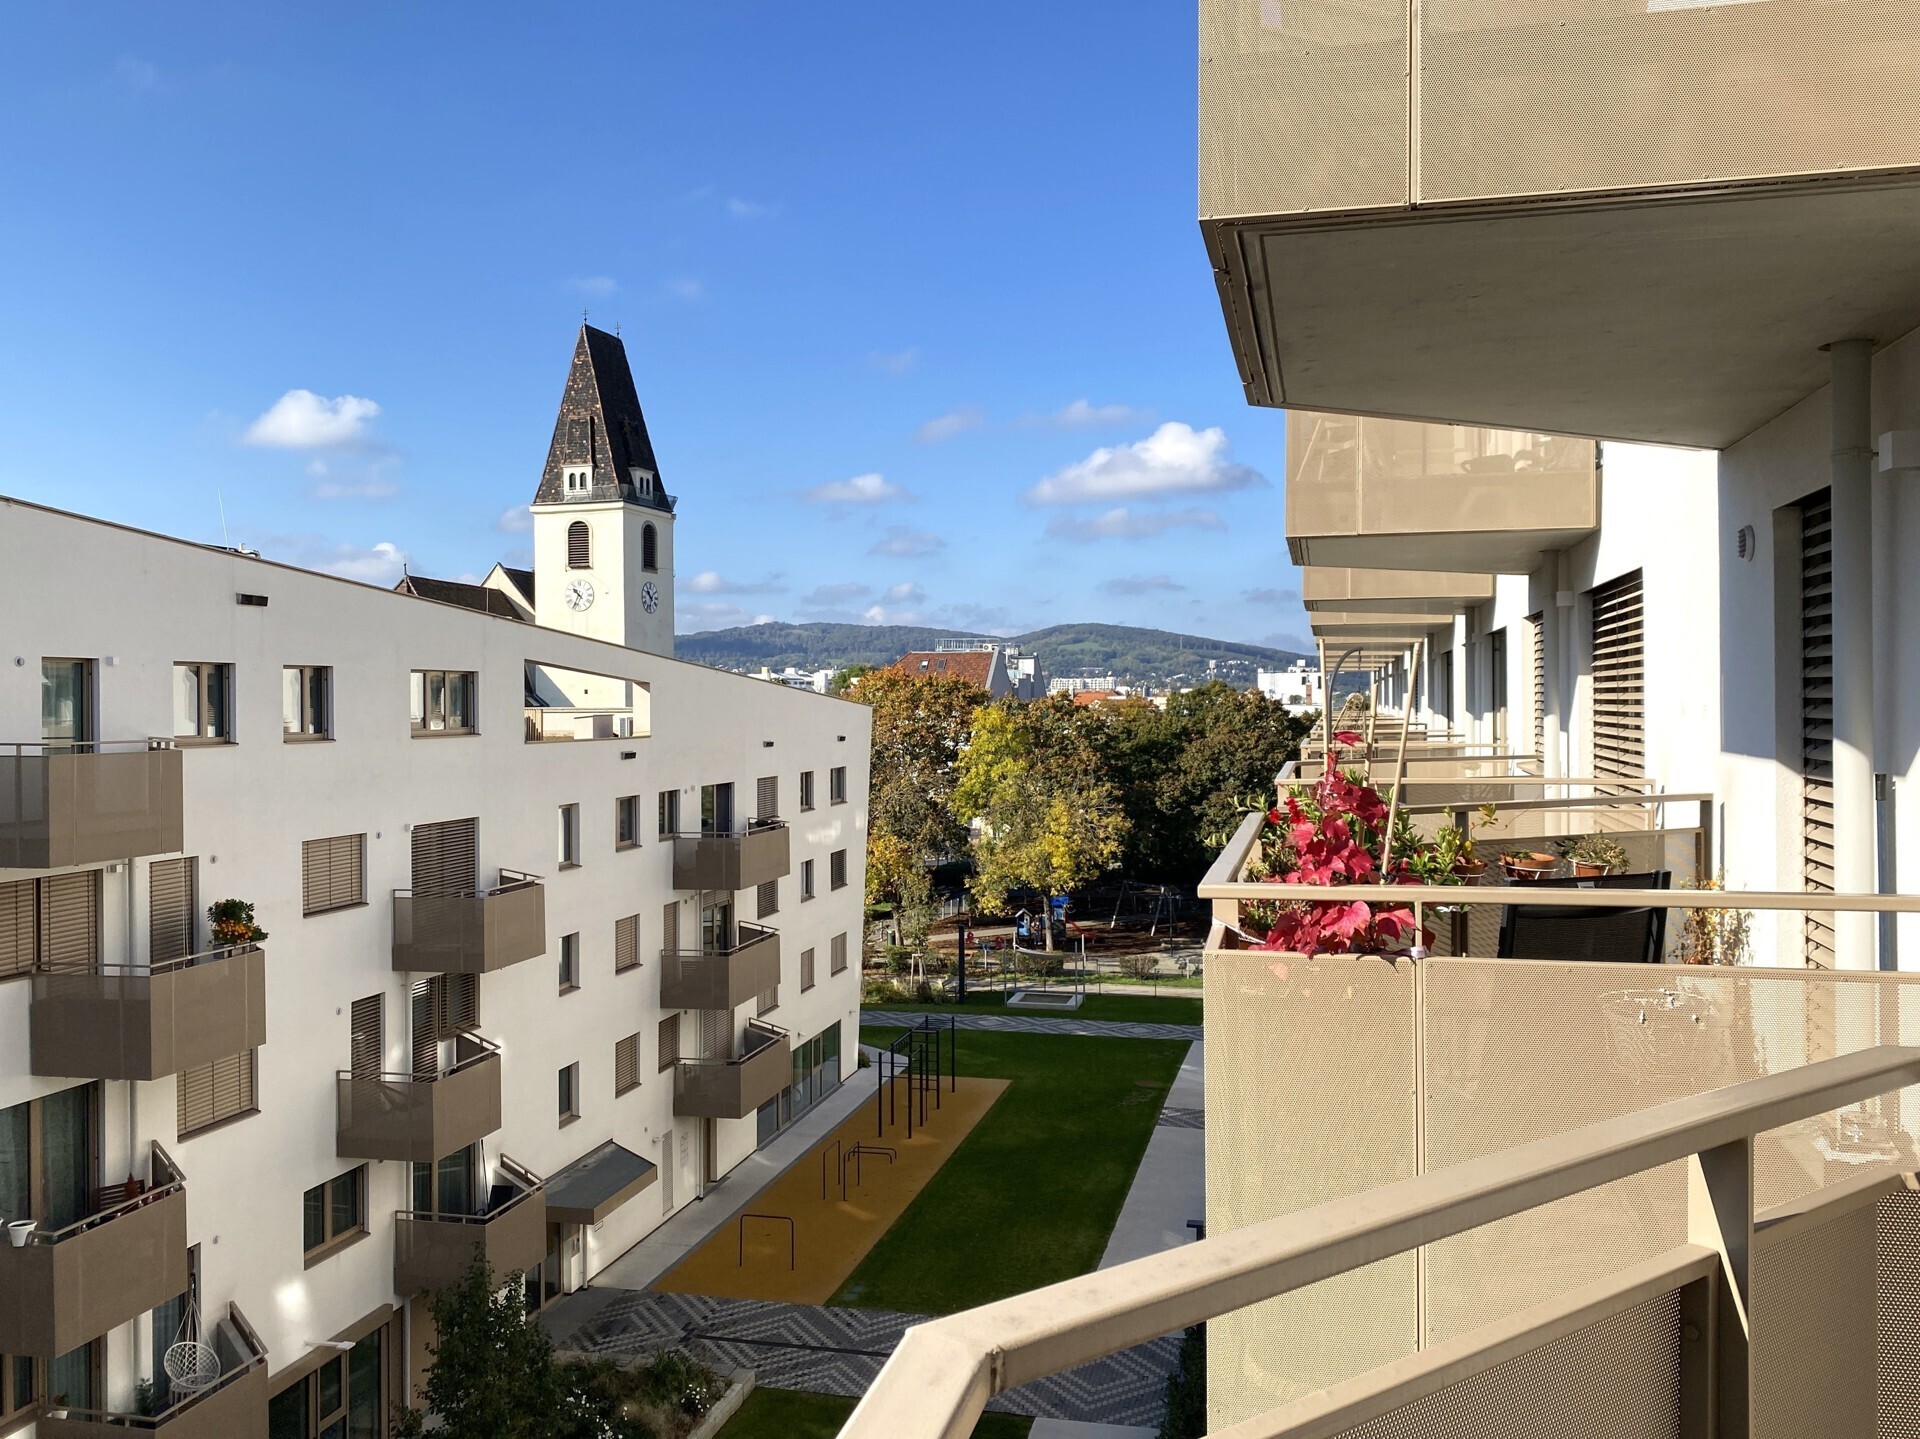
[1813,1339]
[1618,1379]
[1897,1315]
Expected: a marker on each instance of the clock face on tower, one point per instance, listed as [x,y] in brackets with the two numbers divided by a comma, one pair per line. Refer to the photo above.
[649,597]
[579,594]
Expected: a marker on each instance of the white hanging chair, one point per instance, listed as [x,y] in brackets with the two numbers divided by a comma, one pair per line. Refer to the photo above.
[190,1365]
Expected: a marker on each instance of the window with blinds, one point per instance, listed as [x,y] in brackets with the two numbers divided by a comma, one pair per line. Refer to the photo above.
[626,943]
[1537,668]
[446,857]
[769,1001]
[171,909]
[1816,718]
[767,899]
[18,930]
[579,546]
[806,879]
[837,869]
[670,1041]
[806,789]
[767,797]
[215,1093]
[366,1043]
[626,1064]
[806,970]
[837,954]
[50,923]
[670,927]
[442,1006]
[333,873]
[1619,704]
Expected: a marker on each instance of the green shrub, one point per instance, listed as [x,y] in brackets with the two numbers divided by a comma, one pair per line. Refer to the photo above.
[1187,1389]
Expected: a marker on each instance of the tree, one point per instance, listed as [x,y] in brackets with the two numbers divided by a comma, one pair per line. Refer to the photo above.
[843,680]
[1049,820]
[493,1374]
[920,725]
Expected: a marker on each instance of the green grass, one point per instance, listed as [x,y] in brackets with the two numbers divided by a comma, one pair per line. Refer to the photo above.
[790,1414]
[1149,1009]
[1031,1196]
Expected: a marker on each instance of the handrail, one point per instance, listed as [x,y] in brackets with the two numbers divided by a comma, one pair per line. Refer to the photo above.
[1644,798]
[509,881]
[1816,901]
[175,1183]
[746,935]
[752,826]
[485,1050]
[939,1379]
[256,1358]
[138,971]
[90,746]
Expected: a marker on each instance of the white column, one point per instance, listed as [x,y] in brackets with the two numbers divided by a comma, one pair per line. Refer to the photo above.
[1854,858]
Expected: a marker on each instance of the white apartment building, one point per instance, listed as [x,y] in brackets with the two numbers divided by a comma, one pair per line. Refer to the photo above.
[558,930]
[1298,687]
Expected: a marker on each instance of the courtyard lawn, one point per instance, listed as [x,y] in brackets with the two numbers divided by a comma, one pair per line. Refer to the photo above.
[1147,1009]
[790,1414]
[1031,1195]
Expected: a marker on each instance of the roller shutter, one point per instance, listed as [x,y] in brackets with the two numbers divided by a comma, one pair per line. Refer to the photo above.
[332,873]
[170,909]
[446,857]
[70,921]
[215,1092]
[1816,717]
[1619,706]
[626,943]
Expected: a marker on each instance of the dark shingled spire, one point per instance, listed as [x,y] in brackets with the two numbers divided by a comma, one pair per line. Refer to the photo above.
[600,424]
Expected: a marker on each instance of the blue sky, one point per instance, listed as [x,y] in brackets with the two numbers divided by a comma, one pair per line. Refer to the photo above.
[914,295]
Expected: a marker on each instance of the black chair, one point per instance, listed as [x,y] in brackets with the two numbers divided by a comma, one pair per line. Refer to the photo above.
[1566,932]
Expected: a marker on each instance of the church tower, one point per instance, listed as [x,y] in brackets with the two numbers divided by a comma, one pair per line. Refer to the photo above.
[602,521]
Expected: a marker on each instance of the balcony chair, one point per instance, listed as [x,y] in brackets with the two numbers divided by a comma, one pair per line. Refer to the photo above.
[1621,936]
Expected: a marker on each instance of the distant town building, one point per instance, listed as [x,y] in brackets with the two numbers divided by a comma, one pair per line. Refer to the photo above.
[986,668]
[1076,684]
[1029,681]
[1298,687]
[815,680]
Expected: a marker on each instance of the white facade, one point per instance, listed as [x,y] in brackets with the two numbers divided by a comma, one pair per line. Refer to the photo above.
[148,603]
[1298,687]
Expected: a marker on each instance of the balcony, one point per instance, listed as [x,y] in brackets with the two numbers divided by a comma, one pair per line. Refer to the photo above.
[1638,221]
[1431,592]
[735,1088]
[120,1022]
[67,1286]
[68,804]
[1394,495]
[739,860]
[474,933]
[434,1251]
[721,979]
[420,1117]
[235,1404]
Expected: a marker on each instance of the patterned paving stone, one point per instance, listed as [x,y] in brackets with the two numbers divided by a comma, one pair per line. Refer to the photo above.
[1176,1118]
[1037,1024]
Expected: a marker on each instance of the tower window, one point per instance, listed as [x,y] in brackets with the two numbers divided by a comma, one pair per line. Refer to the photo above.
[649,549]
[579,546]
[579,479]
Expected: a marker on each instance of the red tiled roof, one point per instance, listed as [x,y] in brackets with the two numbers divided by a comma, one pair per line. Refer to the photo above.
[973,666]
[1094,697]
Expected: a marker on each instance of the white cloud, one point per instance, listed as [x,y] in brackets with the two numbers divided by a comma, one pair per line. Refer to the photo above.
[751,209]
[516,521]
[355,490]
[904,593]
[894,362]
[595,287]
[1085,415]
[378,564]
[1175,459]
[954,422]
[1139,585]
[302,420]
[686,288]
[900,542]
[691,619]
[869,489]
[712,582]
[881,615]
[1126,524]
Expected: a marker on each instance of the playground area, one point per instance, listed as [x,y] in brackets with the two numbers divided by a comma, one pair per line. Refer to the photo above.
[799,1239]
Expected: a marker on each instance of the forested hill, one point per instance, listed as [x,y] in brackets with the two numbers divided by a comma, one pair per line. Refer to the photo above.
[1132,655]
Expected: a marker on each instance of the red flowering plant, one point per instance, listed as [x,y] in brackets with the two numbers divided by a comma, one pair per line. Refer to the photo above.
[1326,833]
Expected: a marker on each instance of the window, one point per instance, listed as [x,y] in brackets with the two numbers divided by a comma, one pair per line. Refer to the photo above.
[51,923]
[569,1093]
[333,1213]
[768,1001]
[366,1041]
[626,821]
[306,708]
[345,1396]
[203,701]
[442,1006]
[806,789]
[172,908]
[649,548]
[626,1064]
[716,809]
[767,899]
[767,797]
[569,835]
[806,880]
[806,970]
[837,785]
[837,954]
[837,869]
[670,926]
[626,944]
[443,701]
[66,705]
[669,813]
[333,873]
[579,546]
[569,963]
[1618,714]
[670,1041]
[579,480]
[214,1093]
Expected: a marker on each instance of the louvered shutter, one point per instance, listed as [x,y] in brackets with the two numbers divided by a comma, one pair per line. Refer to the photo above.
[837,954]
[669,1041]
[767,797]
[769,1000]
[216,1091]
[367,1045]
[423,1003]
[670,927]
[806,970]
[460,1003]
[626,1064]
[446,857]
[1816,718]
[767,899]
[16,927]
[1619,680]
[626,943]
[332,872]
[170,910]
[1537,637]
[837,868]
[70,921]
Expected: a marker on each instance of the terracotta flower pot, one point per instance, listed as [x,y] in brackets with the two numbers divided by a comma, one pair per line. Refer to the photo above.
[1529,866]
[1587,869]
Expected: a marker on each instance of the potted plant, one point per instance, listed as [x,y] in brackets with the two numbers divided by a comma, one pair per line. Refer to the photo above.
[1528,864]
[1713,936]
[1592,855]
[232,922]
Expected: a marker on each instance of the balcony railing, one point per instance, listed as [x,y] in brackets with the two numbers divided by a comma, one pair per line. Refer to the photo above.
[547,724]
[735,1088]
[738,860]
[235,1404]
[124,1022]
[473,932]
[432,1250]
[85,803]
[721,978]
[420,1117]
[66,1286]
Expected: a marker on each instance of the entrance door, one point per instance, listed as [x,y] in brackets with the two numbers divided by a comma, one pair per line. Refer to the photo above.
[66,701]
[716,809]
[1497,683]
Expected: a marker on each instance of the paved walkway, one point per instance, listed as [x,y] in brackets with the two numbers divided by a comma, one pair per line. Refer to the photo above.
[1034,1024]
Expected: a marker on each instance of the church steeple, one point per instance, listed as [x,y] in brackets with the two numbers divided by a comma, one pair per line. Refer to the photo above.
[600,449]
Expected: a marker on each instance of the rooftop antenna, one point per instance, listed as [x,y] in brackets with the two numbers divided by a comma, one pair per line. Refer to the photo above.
[220,500]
